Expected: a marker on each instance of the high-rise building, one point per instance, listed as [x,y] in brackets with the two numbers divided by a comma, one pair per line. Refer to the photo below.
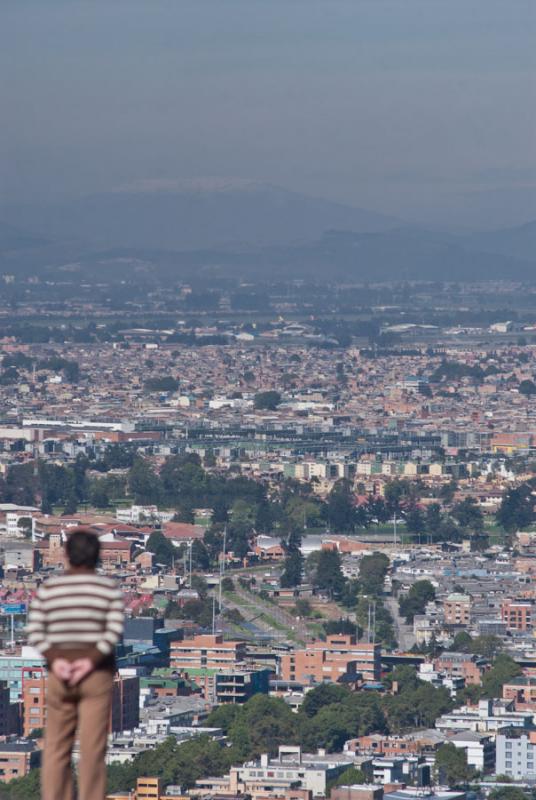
[125,713]
[33,698]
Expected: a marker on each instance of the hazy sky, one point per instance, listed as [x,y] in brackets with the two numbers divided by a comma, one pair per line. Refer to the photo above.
[422,108]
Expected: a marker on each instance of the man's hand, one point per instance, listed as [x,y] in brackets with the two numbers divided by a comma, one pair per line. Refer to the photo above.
[80,669]
[62,669]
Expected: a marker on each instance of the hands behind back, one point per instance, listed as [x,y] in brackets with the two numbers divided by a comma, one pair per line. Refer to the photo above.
[72,672]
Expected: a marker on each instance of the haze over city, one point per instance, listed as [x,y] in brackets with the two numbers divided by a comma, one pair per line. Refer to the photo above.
[419,110]
[267,400]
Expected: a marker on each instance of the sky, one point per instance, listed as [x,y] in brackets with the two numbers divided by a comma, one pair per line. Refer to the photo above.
[424,109]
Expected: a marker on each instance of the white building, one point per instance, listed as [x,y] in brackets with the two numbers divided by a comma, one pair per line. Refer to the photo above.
[488,717]
[136,515]
[310,771]
[479,748]
[516,752]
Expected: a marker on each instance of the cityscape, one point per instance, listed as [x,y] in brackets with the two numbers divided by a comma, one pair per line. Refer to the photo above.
[303,432]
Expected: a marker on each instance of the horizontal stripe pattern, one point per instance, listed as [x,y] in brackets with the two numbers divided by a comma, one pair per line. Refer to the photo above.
[76,611]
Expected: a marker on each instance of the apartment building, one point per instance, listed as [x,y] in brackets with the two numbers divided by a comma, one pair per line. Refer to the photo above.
[206,651]
[479,749]
[291,770]
[522,691]
[330,660]
[457,609]
[237,686]
[5,710]
[11,667]
[488,716]
[517,614]
[516,753]
[125,712]
[17,759]
[33,698]
[461,665]
[149,789]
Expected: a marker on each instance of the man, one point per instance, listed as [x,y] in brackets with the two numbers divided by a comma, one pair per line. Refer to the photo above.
[75,621]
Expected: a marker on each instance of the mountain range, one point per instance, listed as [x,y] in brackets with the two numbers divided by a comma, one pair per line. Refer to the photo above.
[251,230]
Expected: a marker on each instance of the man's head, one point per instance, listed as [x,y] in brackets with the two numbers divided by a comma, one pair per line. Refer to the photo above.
[82,548]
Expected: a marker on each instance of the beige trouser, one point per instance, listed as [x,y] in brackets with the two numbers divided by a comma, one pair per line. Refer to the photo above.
[87,707]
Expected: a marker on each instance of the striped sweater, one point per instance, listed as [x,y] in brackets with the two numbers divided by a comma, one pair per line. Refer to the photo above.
[77,615]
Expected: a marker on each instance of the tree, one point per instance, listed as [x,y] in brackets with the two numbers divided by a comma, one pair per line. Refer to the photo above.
[303,607]
[293,567]
[200,556]
[447,491]
[25,788]
[340,509]
[414,602]
[25,524]
[381,618]
[223,716]
[502,671]
[334,723]
[336,626]
[71,503]
[173,763]
[527,387]
[488,646]
[451,765]
[99,495]
[415,522]
[416,706]
[268,401]
[164,551]
[143,483]
[350,777]
[433,520]
[328,574]
[462,643]
[516,510]
[372,572]
[507,792]
[262,725]
[324,695]
[166,383]
[468,514]
[184,513]
[393,494]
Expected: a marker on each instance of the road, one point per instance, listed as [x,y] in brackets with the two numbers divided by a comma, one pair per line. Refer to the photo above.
[404,633]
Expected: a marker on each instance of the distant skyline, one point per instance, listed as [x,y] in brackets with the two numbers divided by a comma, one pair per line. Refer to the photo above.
[420,109]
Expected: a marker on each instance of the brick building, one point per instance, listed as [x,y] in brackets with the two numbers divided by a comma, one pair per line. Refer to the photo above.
[17,759]
[517,614]
[461,665]
[522,691]
[33,699]
[457,609]
[206,651]
[330,660]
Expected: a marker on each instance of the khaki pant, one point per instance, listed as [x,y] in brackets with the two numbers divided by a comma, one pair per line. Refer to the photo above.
[87,707]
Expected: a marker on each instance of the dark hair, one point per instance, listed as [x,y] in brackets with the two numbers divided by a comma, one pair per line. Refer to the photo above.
[83,548]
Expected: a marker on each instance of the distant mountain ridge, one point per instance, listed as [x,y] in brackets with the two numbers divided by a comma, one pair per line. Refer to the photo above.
[193,214]
[169,230]
[519,241]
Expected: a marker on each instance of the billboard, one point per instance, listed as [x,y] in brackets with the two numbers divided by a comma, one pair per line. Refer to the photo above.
[13,608]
